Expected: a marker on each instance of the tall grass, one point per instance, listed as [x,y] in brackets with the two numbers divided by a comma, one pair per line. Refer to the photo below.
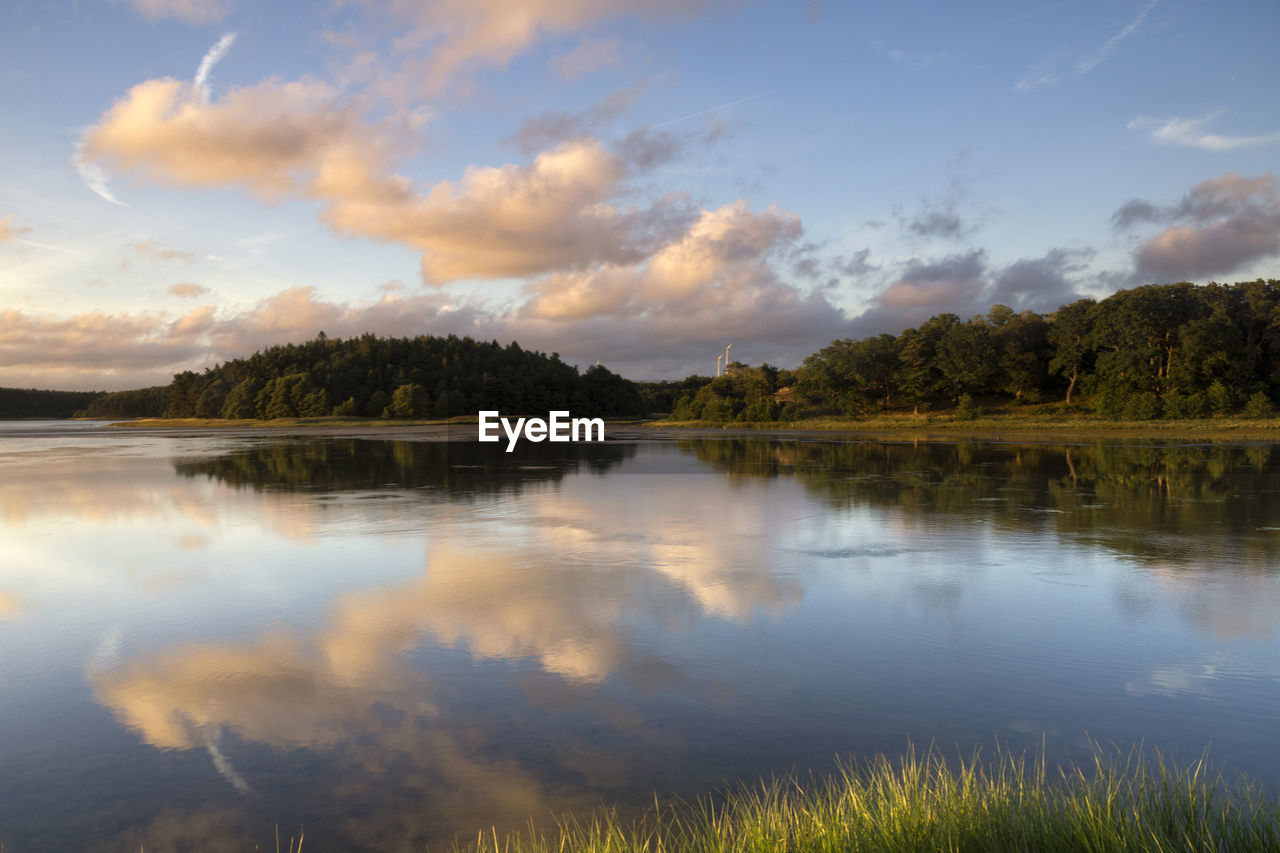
[1119,802]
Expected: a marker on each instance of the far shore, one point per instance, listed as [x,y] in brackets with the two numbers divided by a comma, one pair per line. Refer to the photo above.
[935,427]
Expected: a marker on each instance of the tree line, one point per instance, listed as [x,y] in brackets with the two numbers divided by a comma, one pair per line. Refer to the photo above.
[1175,350]
[370,376]
[35,403]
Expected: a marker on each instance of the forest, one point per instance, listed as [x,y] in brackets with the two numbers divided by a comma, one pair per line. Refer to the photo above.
[369,376]
[1157,351]
[34,403]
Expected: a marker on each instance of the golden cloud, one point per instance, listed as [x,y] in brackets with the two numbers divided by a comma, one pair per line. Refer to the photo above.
[97,349]
[448,38]
[718,263]
[496,222]
[107,341]
[186,289]
[272,137]
[298,139]
[10,228]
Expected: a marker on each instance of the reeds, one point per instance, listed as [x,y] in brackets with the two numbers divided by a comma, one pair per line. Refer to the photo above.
[1119,802]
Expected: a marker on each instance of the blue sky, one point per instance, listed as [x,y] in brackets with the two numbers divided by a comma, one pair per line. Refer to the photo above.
[635,182]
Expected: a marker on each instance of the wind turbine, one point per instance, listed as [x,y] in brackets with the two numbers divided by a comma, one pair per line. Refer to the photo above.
[726,360]
[718,364]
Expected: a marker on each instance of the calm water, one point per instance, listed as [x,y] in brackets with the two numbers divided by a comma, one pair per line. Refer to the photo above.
[393,642]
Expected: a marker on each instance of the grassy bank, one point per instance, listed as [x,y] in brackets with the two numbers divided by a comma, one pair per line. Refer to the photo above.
[241,423]
[944,425]
[1012,425]
[923,803]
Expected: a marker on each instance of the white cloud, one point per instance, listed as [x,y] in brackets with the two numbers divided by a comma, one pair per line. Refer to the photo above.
[188,11]
[446,39]
[1189,132]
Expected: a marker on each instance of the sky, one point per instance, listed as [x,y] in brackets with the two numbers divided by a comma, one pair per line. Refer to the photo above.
[634,182]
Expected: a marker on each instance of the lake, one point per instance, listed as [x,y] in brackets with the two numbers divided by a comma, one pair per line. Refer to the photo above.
[394,643]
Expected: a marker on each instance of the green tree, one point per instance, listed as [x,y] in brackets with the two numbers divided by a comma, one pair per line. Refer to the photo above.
[852,375]
[184,391]
[314,404]
[1135,336]
[1222,400]
[1259,406]
[965,358]
[240,400]
[917,378]
[409,401]
[1022,349]
[1212,349]
[967,409]
[1070,340]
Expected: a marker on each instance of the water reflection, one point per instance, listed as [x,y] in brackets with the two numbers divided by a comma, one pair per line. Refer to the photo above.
[455,469]
[1168,507]
[392,642]
[567,601]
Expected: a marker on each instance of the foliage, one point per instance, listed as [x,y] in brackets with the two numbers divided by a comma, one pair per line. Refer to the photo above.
[138,403]
[665,396]
[1259,406]
[408,401]
[743,395]
[966,409]
[1174,350]
[1221,398]
[852,376]
[396,378]
[32,403]
[1181,350]
[1143,406]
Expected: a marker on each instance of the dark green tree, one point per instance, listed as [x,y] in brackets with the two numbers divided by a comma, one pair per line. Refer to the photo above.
[1070,338]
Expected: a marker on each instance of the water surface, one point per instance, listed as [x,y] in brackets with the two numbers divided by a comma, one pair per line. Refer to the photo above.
[393,642]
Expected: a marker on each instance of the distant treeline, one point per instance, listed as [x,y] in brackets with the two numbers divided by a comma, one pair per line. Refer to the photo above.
[369,376]
[31,403]
[1174,351]
[138,403]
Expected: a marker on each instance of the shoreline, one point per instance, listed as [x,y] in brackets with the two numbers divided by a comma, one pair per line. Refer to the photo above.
[924,801]
[932,429]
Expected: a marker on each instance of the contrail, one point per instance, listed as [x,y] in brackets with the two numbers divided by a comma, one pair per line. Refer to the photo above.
[223,765]
[1087,63]
[93,175]
[705,112]
[211,59]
